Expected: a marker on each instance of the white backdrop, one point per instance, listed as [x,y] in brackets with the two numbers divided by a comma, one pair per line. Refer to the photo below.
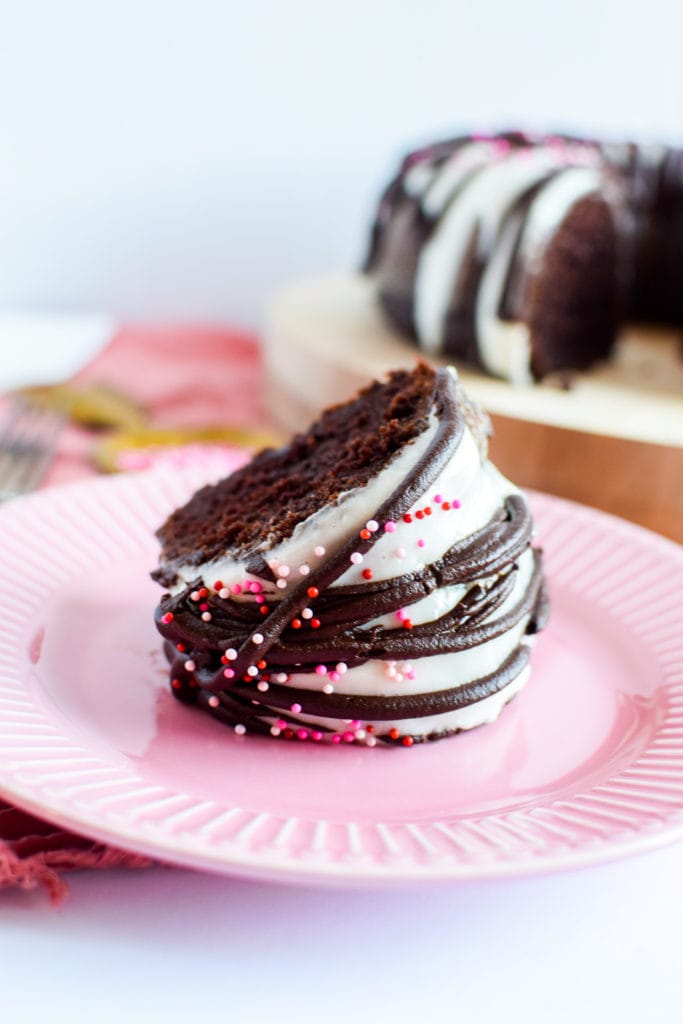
[178,160]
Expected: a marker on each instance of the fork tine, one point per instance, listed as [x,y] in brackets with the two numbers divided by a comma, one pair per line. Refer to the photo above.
[27,444]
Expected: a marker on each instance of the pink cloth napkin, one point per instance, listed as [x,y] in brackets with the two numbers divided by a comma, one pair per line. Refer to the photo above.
[182,375]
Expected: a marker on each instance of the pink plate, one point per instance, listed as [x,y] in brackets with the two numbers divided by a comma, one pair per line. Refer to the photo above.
[586,764]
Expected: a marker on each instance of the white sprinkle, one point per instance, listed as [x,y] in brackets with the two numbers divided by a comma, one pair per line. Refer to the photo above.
[281,677]
[283,570]
[319,551]
[262,686]
[274,731]
[240,729]
[252,671]
[194,596]
[328,688]
[190,666]
[360,734]
[398,678]
[213,701]
[356,558]
[281,584]
[341,667]
[400,552]
[304,570]
[371,741]
[224,593]
[307,613]
[231,654]
[372,525]
[206,616]
[257,638]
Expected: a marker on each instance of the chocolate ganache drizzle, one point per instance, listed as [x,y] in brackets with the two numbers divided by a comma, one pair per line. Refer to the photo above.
[277,662]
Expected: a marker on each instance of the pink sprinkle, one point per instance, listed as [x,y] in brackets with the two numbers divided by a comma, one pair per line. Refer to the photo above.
[401,614]
[315,735]
[410,675]
[390,527]
[213,701]
[335,677]
[236,588]
[255,587]
[355,724]
[302,734]
[229,673]
[281,724]
[356,558]
[295,709]
[456,503]
[336,738]
[348,737]
[168,617]
[321,670]
[420,543]
[438,498]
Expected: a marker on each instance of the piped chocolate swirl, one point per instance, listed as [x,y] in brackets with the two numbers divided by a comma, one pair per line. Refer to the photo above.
[394,598]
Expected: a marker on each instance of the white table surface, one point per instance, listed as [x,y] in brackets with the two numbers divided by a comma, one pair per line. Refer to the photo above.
[597,945]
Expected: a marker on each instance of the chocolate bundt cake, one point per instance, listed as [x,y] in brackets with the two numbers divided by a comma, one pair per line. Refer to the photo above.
[372,581]
[521,255]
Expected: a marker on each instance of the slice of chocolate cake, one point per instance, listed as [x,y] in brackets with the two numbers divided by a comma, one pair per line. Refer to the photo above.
[373,580]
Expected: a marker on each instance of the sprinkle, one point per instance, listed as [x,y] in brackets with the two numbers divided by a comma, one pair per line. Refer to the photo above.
[213,701]
[437,499]
[281,677]
[408,741]
[390,527]
[261,664]
[328,688]
[240,730]
[456,503]
[335,677]
[264,609]
[321,670]
[316,735]
[410,674]
[319,551]
[367,574]
[420,543]
[167,617]
[206,616]
[231,654]
[203,607]
[180,647]
[194,596]
[224,593]
[281,584]
[348,737]
[295,709]
[369,728]
[401,614]
[446,505]
[257,638]
[295,623]
[307,613]
[394,734]
[252,671]
[302,734]
[407,624]
[419,514]
[236,588]
[371,741]
[336,738]
[255,586]
[283,570]
[372,525]
[360,734]
[203,592]
[263,686]
[229,673]
[356,558]
[365,534]
[190,666]
[341,667]
[398,678]
[315,623]
[176,684]
[407,518]
[281,724]
[304,570]
[288,733]
[274,731]
[313,592]
[400,552]
[428,511]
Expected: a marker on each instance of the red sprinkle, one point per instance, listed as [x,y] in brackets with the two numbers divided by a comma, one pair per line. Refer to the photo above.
[445,505]
[408,741]
[407,624]
[203,592]
[218,585]
[168,617]
[264,609]
[313,592]
[288,734]
[428,511]
[367,574]
[180,647]
[261,664]
[315,623]
[224,660]
[295,623]
[203,607]
[419,514]
[365,534]
[176,684]
[394,734]
[370,729]
[407,518]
